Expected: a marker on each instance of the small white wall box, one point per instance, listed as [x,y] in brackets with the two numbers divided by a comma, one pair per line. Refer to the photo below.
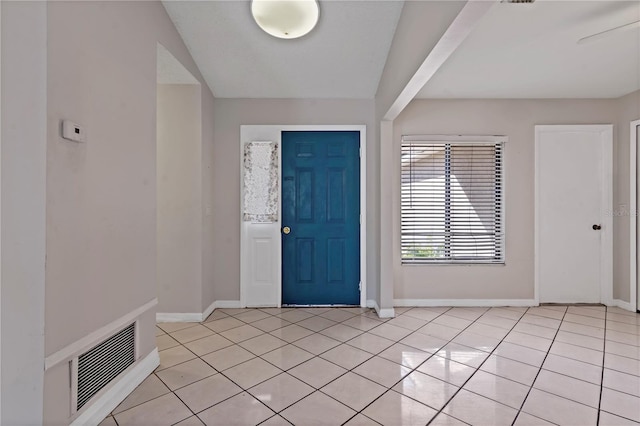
[72,131]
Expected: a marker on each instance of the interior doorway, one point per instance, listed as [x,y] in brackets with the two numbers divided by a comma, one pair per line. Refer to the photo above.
[178,190]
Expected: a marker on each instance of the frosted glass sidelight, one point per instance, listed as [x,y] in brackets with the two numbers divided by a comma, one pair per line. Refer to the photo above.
[260,197]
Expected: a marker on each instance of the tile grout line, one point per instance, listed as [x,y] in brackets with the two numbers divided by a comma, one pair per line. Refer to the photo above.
[476,370]
[435,354]
[173,390]
[292,343]
[281,371]
[188,408]
[420,364]
[348,370]
[314,356]
[255,356]
[389,388]
[539,370]
[582,380]
[480,365]
[260,357]
[376,354]
[180,363]
[154,373]
[228,378]
[356,366]
[604,351]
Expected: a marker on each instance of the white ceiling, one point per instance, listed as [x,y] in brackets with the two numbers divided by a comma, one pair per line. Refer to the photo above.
[343,57]
[530,51]
[516,51]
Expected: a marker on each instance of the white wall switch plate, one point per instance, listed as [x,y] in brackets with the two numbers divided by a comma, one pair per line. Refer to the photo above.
[72,131]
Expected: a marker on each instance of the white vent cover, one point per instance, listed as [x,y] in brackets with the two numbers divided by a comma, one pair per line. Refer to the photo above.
[98,366]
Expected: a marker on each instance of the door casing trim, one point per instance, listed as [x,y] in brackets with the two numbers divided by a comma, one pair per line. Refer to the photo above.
[273,130]
[634,135]
[606,244]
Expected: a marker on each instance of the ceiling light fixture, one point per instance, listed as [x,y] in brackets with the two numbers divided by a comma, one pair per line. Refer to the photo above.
[286,18]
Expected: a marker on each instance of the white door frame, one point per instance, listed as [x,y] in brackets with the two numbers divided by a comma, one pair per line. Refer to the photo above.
[633,216]
[0,214]
[606,242]
[249,133]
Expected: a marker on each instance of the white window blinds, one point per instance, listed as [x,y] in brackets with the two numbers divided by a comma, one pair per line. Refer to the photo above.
[452,201]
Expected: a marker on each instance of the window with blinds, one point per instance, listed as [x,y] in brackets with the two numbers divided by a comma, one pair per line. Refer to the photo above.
[452,200]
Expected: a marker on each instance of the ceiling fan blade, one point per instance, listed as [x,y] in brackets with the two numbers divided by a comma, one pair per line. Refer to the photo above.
[607,33]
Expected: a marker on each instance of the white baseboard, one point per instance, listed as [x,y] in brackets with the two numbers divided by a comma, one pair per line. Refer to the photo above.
[386,313]
[106,403]
[382,313]
[622,305]
[228,304]
[209,310]
[178,317]
[464,302]
[195,316]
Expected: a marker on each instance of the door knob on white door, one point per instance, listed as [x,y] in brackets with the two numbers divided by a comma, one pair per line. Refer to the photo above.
[596,227]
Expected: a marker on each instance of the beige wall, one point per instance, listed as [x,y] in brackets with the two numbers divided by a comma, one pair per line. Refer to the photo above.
[628,111]
[229,115]
[515,119]
[22,245]
[179,192]
[101,195]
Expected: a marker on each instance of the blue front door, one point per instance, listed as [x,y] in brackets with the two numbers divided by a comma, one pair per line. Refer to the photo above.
[321,207]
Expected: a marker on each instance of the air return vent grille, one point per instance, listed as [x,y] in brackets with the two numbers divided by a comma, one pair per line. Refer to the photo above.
[100,365]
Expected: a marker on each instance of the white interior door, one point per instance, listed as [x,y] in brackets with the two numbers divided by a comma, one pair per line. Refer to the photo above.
[573,231]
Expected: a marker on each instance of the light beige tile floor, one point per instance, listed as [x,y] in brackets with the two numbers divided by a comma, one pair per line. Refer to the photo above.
[577,365]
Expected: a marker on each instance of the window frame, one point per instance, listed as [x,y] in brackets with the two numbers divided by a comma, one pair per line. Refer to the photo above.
[458,139]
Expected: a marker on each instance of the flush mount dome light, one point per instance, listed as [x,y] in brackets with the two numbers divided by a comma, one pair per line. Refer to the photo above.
[286,18]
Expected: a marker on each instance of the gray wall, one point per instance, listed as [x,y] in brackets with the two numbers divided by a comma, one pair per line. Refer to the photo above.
[229,114]
[515,119]
[179,191]
[23,153]
[101,195]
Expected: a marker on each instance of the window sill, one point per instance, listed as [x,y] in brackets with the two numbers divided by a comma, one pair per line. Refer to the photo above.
[411,264]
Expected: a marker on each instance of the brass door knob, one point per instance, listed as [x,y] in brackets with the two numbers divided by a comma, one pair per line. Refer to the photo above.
[286,230]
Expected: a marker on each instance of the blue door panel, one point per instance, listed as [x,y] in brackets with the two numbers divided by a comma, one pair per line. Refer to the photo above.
[335,195]
[335,260]
[305,195]
[305,250]
[321,205]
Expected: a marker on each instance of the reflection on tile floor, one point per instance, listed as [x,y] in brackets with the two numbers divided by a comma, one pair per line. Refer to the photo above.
[440,366]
